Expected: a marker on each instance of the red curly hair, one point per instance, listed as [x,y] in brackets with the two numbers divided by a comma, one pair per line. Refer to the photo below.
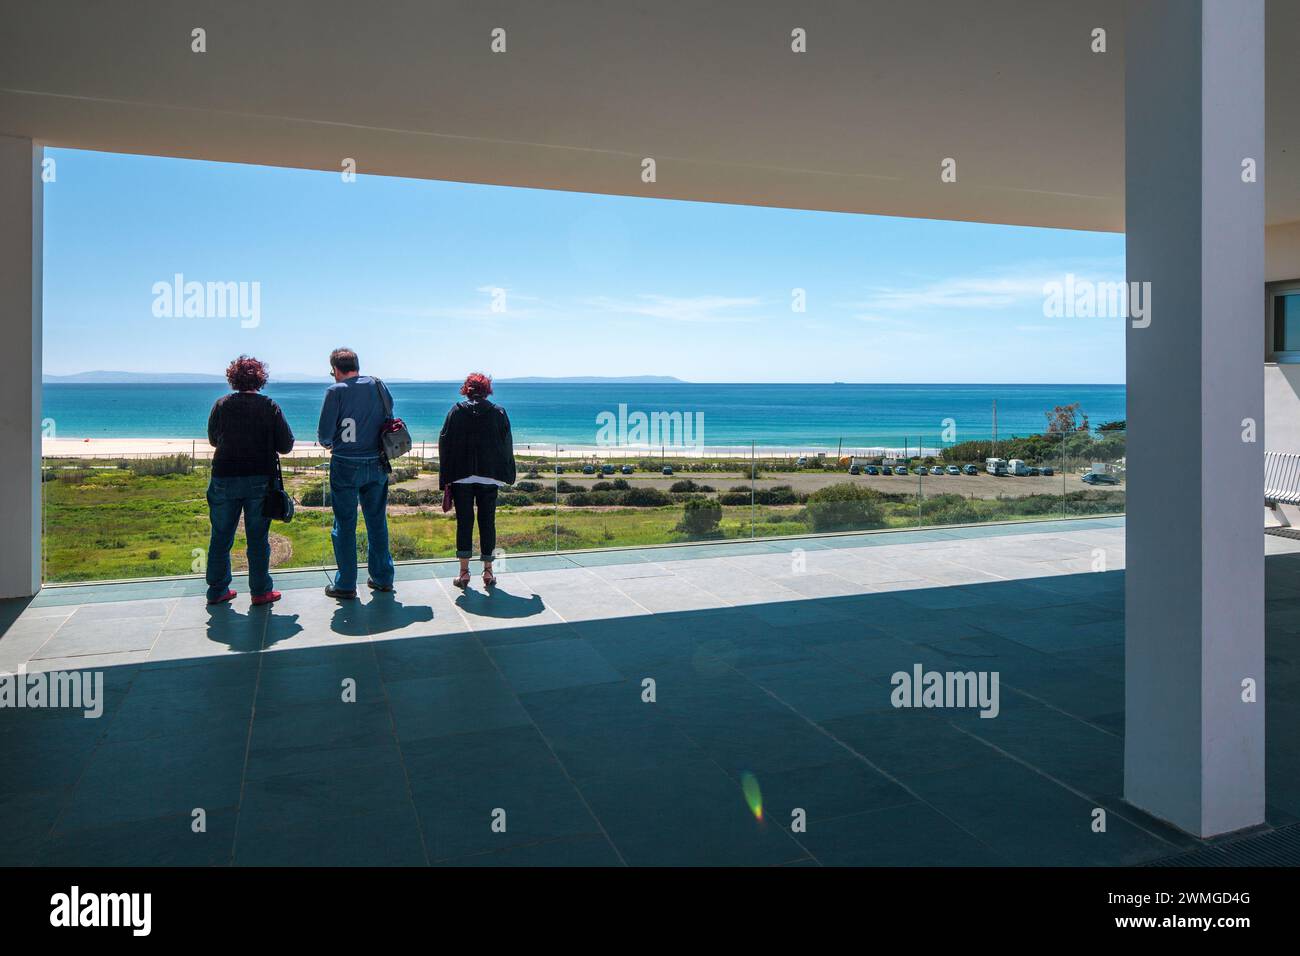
[246,374]
[477,386]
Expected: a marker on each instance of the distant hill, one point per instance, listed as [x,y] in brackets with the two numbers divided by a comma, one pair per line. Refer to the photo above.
[170,378]
[203,378]
[116,378]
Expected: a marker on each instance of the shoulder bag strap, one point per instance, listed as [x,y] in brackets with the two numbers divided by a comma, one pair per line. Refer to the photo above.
[385,398]
[277,474]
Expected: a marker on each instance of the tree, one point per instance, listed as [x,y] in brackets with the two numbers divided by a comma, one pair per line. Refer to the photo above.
[1066,418]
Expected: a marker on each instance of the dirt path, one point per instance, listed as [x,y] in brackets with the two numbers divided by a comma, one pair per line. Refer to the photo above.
[281,552]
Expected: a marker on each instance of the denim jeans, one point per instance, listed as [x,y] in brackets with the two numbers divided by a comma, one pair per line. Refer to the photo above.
[465,496]
[364,481]
[228,498]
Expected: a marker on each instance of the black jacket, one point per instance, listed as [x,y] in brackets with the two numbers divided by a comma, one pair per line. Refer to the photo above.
[476,440]
[247,430]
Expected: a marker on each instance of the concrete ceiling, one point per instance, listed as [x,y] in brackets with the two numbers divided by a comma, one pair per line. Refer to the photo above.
[588,88]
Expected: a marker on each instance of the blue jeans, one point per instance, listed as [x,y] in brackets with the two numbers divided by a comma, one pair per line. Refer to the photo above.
[364,481]
[228,498]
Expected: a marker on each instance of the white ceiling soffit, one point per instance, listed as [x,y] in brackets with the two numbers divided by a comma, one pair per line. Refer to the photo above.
[888,89]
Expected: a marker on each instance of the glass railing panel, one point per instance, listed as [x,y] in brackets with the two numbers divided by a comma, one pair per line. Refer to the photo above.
[1095,470]
[107,518]
[116,517]
[616,498]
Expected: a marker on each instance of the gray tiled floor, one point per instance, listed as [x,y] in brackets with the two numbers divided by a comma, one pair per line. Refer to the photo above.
[604,709]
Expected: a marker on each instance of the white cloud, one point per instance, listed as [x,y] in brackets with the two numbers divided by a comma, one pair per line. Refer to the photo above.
[1023,286]
[700,308]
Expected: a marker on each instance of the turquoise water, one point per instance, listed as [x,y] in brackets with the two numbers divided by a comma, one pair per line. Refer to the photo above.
[797,416]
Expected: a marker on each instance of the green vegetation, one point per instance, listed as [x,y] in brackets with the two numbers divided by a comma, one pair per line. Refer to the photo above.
[149,518]
[702,518]
[845,507]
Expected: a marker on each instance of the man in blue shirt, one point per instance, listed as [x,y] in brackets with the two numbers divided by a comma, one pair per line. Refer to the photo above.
[351,421]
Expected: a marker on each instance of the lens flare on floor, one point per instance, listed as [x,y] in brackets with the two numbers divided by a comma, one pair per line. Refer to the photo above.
[753,795]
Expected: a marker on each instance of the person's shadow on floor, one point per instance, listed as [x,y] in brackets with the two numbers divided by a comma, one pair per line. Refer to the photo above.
[280,627]
[381,614]
[242,632]
[499,603]
[385,613]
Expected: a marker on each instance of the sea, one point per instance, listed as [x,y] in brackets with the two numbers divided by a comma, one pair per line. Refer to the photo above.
[813,417]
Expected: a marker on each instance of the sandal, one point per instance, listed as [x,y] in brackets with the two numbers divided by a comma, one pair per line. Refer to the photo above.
[489,579]
[461,580]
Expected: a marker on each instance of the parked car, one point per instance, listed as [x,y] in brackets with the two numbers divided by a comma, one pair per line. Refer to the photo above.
[559,469]
[900,469]
[854,470]
[954,470]
[872,470]
[1092,478]
[886,470]
[1032,472]
[627,469]
[969,470]
[803,460]
[1046,471]
[607,469]
[588,469]
[921,470]
[667,469]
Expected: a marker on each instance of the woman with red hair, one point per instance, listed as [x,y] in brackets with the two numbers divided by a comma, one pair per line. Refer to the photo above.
[247,430]
[476,456]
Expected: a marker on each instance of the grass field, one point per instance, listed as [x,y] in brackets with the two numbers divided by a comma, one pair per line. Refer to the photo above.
[114,522]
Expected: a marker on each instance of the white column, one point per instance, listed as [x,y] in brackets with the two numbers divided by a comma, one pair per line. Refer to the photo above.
[1193,748]
[20,372]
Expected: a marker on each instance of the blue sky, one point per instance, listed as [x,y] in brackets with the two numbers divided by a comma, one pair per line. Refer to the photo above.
[404,271]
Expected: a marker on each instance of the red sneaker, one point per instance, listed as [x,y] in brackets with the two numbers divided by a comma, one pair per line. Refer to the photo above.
[228,596]
[270,597]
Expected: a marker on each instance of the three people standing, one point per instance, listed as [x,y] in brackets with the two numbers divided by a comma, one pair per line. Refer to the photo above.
[248,430]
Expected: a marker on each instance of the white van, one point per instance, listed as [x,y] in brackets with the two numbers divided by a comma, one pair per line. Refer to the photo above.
[995,466]
[1017,467]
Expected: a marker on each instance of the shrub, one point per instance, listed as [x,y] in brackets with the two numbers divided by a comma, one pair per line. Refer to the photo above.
[647,498]
[844,507]
[405,546]
[950,509]
[312,495]
[776,495]
[527,486]
[162,465]
[701,517]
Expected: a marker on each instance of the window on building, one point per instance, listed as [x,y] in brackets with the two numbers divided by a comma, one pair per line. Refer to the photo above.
[1285,304]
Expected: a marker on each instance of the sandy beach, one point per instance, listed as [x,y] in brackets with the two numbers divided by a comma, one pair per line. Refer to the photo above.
[200,449]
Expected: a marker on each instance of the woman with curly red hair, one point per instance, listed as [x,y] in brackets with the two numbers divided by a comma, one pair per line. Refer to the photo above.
[476,456]
[247,430]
